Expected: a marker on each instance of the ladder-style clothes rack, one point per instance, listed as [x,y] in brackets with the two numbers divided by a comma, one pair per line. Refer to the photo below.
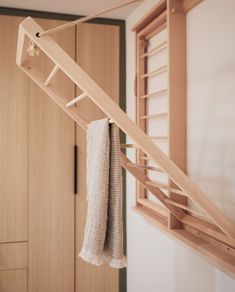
[215,240]
[161,97]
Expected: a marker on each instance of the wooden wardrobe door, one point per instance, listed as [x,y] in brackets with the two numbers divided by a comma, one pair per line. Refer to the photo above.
[13,136]
[51,197]
[98,55]
[13,280]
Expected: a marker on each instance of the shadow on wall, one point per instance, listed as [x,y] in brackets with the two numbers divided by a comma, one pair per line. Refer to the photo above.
[208,278]
[214,142]
[187,266]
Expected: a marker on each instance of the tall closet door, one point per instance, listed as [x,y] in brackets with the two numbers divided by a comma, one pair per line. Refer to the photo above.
[98,55]
[51,197]
[13,136]
[13,162]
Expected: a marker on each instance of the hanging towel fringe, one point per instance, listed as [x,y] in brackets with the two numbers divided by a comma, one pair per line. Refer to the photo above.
[90,258]
[116,263]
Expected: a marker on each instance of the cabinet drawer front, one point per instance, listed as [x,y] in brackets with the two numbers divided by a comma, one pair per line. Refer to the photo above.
[13,256]
[13,281]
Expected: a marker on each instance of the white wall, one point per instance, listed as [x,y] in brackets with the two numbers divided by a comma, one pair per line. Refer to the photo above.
[157,263]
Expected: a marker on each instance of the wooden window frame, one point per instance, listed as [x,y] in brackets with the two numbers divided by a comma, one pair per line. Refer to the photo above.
[194,231]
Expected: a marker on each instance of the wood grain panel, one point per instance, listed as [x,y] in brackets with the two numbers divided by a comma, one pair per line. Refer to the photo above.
[13,281]
[51,198]
[13,256]
[177,95]
[13,136]
[98,55]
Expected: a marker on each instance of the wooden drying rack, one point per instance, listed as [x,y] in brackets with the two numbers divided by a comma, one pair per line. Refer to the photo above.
[216,241]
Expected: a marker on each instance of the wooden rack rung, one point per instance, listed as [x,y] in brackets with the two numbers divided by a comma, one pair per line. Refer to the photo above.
[185,208]
[166,187]
[155,72]
[51,75]
[148,167]
[160,115]
[153,206]
[159,137]
[156,25]
[154,94]
[156,31]
[77,99]
[155,50]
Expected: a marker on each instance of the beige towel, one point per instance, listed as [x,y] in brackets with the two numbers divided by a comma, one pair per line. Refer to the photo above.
[103,239]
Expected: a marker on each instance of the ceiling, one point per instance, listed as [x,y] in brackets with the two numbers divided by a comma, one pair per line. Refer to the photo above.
[80,7]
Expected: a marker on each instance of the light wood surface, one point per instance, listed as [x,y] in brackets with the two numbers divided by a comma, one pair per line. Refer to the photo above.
[141,86]
[155,207]
[184,207]
[13,281]
[160,115]
[154,189]
[159,138]
[177,95]
[98,55]
[13,256]
[157,10]
[153,168]
[77,99]
[205,236]
[157,30]
[51,198]
[165,187]
[208,229]
[142,61]
[155,50]
[153,26]
[13,136]
[154,72]
[51,75]
[155,94]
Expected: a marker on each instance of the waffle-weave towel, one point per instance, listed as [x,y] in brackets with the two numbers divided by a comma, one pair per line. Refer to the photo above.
[103,240]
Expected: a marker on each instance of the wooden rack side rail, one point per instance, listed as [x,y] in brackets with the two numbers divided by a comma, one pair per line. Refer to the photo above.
[68,66]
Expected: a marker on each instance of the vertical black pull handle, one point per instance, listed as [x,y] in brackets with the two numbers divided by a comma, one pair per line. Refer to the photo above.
[75,170]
